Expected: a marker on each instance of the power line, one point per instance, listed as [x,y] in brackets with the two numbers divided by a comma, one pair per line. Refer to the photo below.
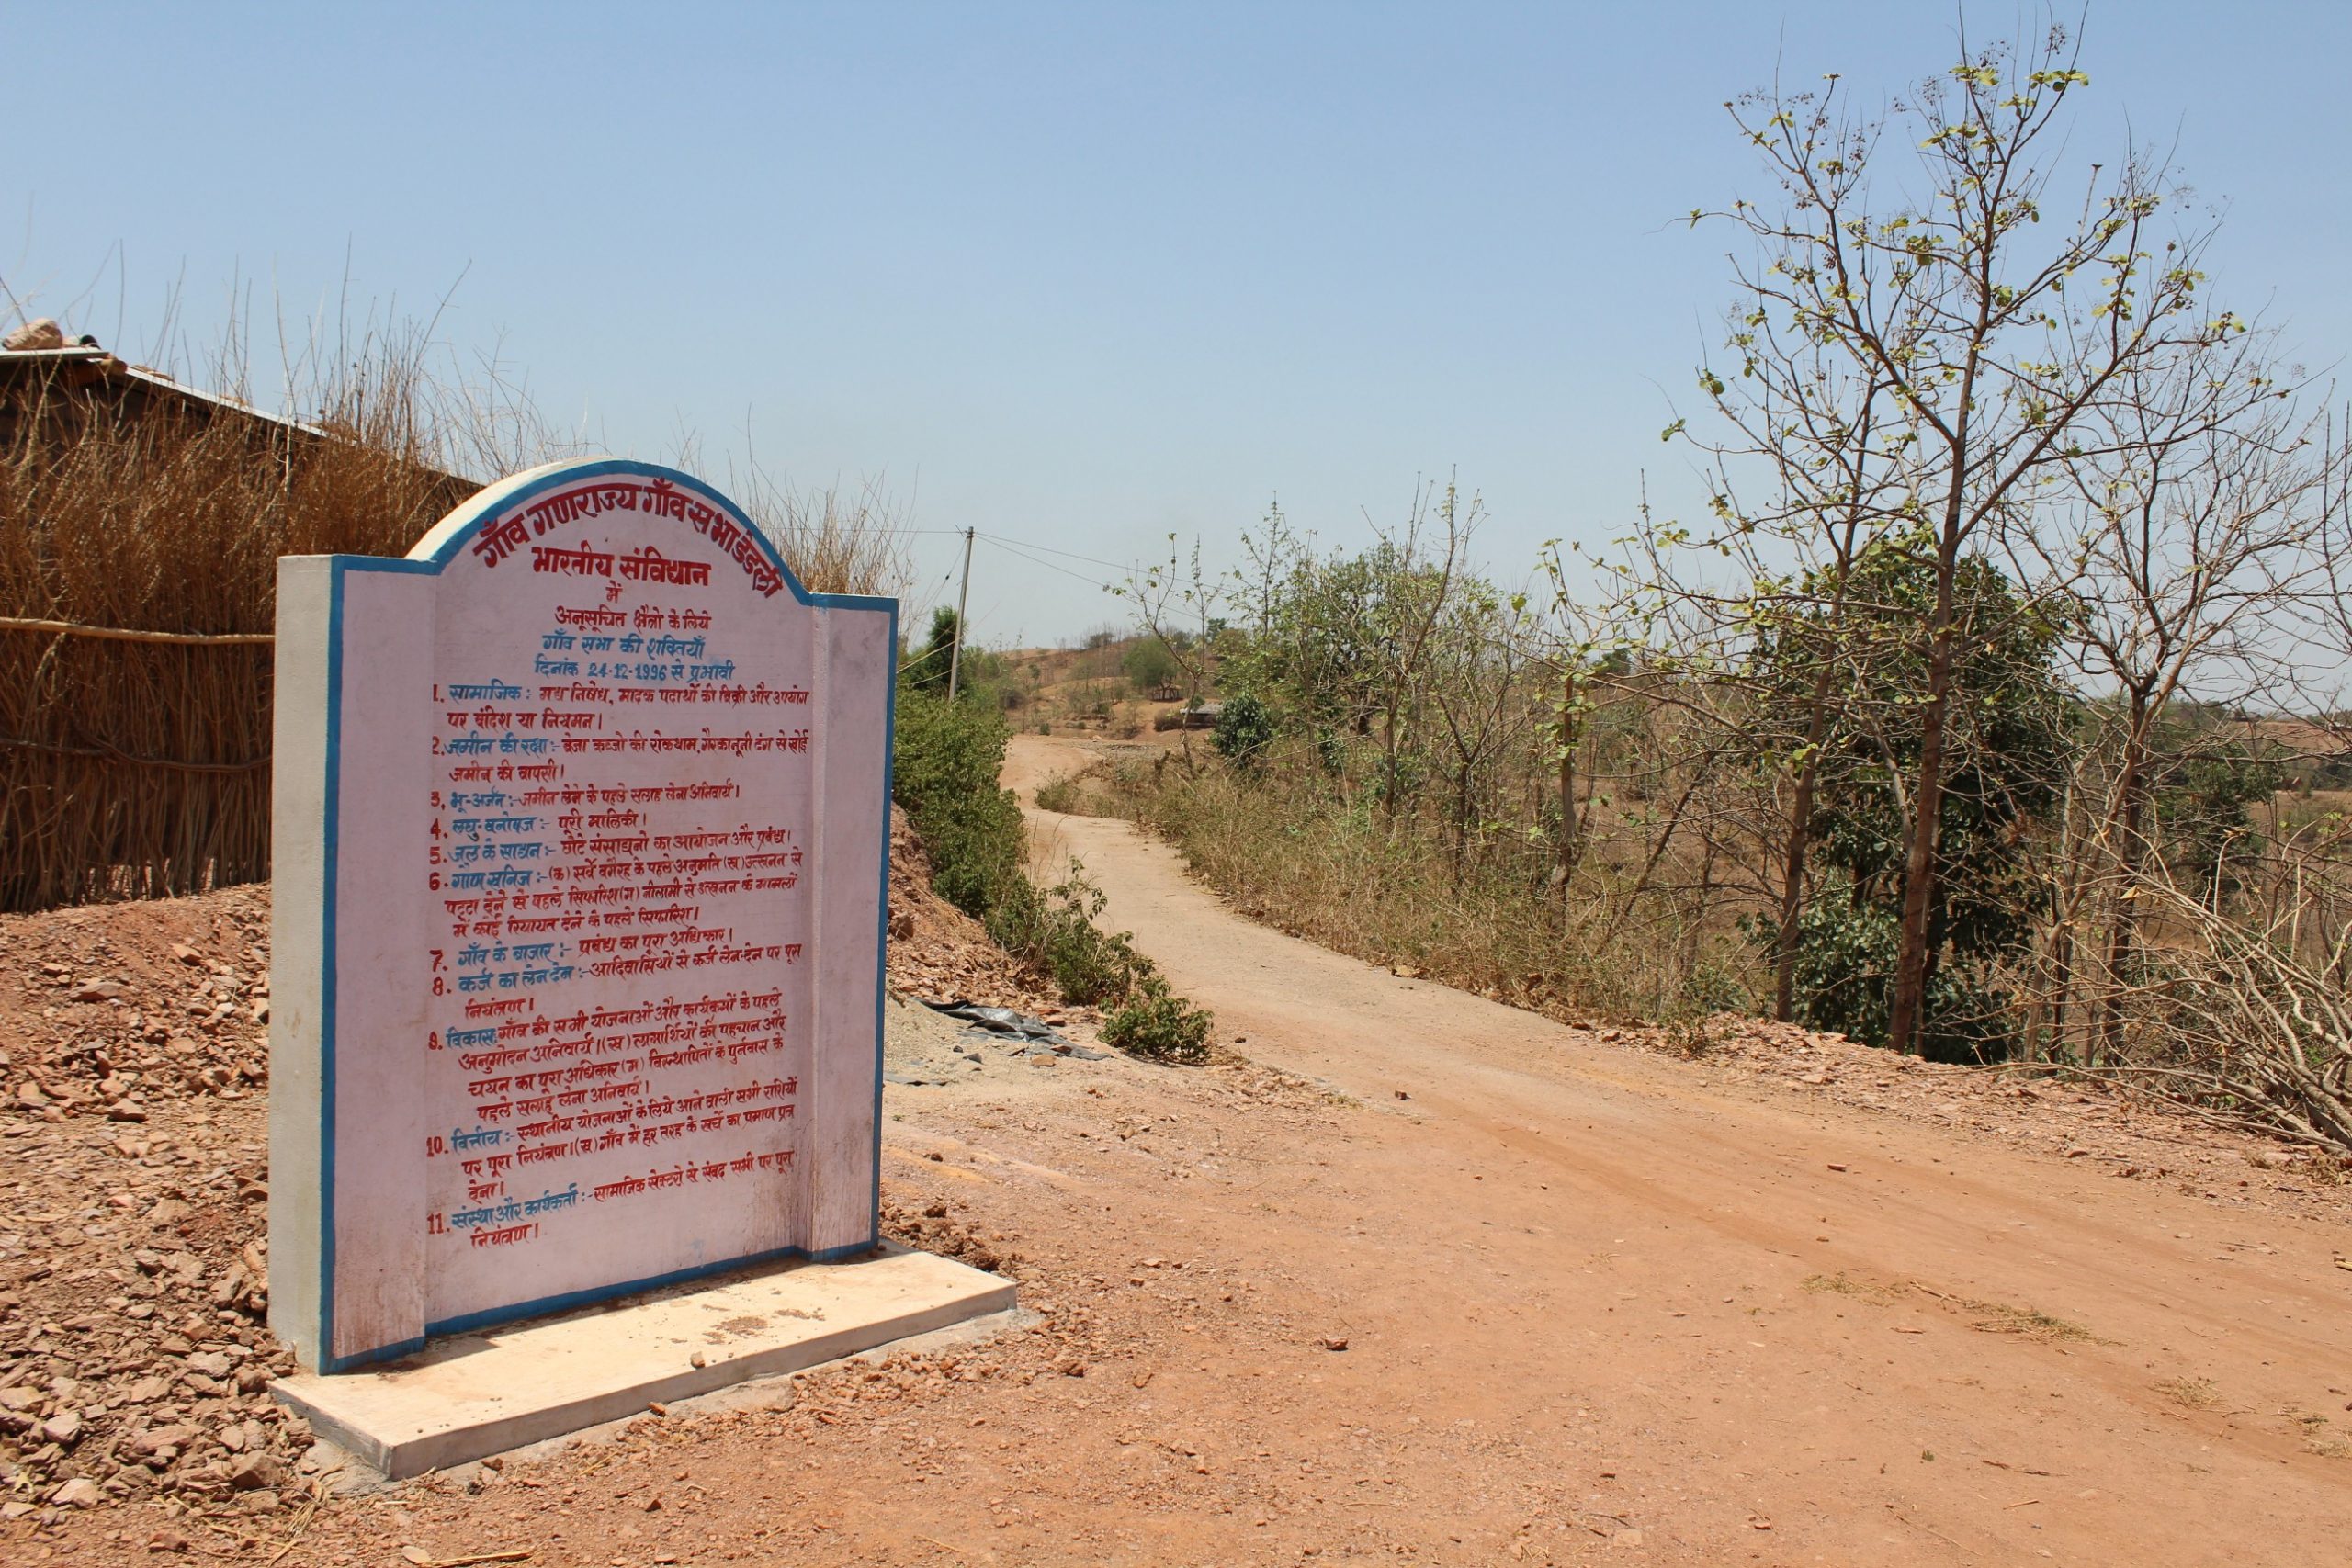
[1050,550]
[1123,568]
[1049,566]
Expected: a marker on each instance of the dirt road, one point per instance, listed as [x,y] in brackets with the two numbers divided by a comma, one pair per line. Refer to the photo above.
[1455,1285]
[1710,1312]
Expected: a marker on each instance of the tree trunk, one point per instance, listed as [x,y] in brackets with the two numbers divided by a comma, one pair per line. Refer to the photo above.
[2048,1043]
[1697,920]
[1927,813]
[2062,960]
[1784,964]
[2131,786]
[1568,787]
[1388,768]
[1463,815]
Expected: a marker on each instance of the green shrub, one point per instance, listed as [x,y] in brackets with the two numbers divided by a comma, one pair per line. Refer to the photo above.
[1156,1023]
[1149,664]
[1845,981]
[928,671]
[1062,793]
[1245,726]
[948,757]
[1054,930]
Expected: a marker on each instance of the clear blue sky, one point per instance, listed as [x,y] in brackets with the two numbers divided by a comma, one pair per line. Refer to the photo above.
[1078,275]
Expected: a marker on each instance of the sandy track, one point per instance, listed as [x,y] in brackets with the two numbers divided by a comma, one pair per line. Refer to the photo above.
[1570,1237]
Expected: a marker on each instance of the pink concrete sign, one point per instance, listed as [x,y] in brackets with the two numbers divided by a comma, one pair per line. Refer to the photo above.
[581,818]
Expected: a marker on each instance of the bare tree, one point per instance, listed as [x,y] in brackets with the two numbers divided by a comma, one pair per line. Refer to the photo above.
[2198,520]
[1999,335]
[1167,593]
[1838,450]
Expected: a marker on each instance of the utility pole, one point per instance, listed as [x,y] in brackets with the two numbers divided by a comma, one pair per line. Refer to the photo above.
[955,649]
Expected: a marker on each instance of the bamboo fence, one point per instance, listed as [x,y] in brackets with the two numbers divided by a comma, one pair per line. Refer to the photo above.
[139,542]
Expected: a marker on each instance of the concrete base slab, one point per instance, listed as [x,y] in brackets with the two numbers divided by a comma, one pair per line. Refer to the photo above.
[475,1394]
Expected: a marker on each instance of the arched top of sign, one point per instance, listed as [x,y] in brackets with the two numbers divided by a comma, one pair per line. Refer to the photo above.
[532,510]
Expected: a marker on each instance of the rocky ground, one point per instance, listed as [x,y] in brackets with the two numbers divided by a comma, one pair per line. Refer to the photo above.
[940,954]
[2026,1107]
[134,1152]
[133,1264]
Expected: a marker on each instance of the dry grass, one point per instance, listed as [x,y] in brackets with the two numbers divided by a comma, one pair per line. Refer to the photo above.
[2316,1436]
[1999,1317]
[1336,872]
[1841,1285]
[141,768]
[836,540]
[1987,1317]
[1067,793]
[2190,1393]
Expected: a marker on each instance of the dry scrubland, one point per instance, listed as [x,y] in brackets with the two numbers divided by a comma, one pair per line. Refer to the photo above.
[1723,1282]
[1986,707]
[1392,910]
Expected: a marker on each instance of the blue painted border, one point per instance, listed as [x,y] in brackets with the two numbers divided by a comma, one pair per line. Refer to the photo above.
[330,820]
[432,553]
[566,1301]
[882,913]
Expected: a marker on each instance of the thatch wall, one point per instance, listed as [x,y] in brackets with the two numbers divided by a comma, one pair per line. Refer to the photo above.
[140,533]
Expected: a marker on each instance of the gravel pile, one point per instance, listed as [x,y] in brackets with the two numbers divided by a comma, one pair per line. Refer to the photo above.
[134,1276]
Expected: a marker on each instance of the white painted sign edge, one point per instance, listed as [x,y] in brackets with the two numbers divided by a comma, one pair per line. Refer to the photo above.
[307,696]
